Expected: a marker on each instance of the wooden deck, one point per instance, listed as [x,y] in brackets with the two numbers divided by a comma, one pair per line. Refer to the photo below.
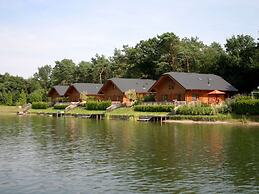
[153,118]
[63,114]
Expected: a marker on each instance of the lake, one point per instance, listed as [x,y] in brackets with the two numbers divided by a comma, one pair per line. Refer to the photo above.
[71,155]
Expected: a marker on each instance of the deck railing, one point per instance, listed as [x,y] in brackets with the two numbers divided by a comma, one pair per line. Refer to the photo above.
[165,103]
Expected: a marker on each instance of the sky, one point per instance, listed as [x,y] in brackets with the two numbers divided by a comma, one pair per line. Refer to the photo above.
[34,33]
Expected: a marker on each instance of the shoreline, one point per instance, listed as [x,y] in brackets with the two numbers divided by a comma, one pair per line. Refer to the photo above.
[123,114]
[170,121]
[228,122]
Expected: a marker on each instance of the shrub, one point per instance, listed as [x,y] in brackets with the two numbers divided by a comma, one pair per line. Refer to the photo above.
[85,97]
[22,98]
[131,94]
[246,106]
[39,105]
[225,107]
[60,106]
[241,97]
[96,105]
[197,109]
[9,99]
[137,102]
[154,108]
[36,96]
[149,98]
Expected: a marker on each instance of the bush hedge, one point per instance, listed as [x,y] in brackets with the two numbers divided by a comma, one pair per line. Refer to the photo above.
[39,105]
[154,108]
[149,98]
[195,110]
[246,107]
[96,105]
[60,106]
[241,97]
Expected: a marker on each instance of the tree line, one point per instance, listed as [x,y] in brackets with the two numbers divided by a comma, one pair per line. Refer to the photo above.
[237,62]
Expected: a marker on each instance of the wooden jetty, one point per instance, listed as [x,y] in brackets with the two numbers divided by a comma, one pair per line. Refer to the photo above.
[63,114]
[120,117]
[153,118]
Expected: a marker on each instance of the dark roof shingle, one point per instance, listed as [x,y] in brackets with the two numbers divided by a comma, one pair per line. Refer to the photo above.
[139,85]
[198,81]
[87,88]
[61,90]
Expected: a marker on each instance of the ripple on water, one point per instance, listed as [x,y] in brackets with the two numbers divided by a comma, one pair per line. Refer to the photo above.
[52,155]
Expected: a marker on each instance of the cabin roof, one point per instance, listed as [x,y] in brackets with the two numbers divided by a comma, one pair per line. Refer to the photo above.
[87,88]
[198,81]
[125,84]
[61,90]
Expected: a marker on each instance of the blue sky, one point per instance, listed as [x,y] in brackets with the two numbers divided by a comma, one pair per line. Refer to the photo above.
[38,32]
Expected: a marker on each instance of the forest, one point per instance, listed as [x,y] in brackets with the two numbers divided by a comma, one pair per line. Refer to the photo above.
[237,61]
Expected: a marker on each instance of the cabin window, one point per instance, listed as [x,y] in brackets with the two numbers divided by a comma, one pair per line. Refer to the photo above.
[195,97]
[179,97]
[165,97]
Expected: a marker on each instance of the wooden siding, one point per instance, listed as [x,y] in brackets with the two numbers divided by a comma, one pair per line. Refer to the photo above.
[216,99]
[204,97]
[168,90]
[111,92]
[54,96]
[72,94]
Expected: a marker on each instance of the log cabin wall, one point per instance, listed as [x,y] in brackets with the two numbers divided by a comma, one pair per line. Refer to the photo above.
[169,90]
[111,92]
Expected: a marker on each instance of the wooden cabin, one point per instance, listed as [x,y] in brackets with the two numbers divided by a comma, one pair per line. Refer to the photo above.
[57,93]
[114,89]
[189,87]
[79,91]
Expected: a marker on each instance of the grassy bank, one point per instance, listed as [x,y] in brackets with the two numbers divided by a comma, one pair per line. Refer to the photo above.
[74,111]
[130,111]
[9,109]
[131,114]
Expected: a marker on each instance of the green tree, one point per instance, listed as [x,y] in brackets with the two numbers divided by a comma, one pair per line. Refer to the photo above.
[143,58]
[36,96]
[119,62]
[240,66]
[210,58]
[43,76]
[168,49]
[190,54]
[22,98]
[101,69]
[84,72]
[64,72]
[32,85]
[9,99]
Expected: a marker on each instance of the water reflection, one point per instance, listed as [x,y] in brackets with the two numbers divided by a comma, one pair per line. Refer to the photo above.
[70,155]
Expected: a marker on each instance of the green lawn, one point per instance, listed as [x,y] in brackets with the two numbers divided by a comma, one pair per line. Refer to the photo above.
[84,111]
[48,110]
[9,109]
[130,111]
[77,110]
[119,111]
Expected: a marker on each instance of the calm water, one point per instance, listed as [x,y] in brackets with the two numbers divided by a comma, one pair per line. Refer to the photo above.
[69,155]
